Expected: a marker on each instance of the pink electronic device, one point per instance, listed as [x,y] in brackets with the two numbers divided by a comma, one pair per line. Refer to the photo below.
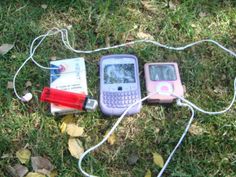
[164,79]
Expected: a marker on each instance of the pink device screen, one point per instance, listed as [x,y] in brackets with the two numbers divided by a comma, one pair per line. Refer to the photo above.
[164,79]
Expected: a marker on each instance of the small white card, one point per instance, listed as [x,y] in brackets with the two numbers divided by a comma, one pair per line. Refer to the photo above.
[69,75]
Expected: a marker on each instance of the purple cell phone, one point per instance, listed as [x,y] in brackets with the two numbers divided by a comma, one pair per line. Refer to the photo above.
[119,84]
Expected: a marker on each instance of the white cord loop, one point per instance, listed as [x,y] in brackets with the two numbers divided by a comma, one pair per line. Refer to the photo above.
[179,103]
[65,40]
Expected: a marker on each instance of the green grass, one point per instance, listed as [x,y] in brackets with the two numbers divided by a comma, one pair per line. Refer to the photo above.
[204,70]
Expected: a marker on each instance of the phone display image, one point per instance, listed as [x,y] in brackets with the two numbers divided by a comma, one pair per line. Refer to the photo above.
[119,84]
[119,73]
[164,79]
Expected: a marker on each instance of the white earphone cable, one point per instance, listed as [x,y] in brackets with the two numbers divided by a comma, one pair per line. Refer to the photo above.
[108,134]
[179,103]
[209,112]
[65,41]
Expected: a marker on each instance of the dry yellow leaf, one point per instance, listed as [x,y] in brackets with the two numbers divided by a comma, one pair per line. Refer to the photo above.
[112,138]
[63,127]
[148,174]
[75,147]
[74,130]
[31,174]
[68,119]
[142,35]
[196,129]
[158,160]
[23,155]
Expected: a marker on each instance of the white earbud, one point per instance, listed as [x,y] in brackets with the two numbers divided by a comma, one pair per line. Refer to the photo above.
[27,97]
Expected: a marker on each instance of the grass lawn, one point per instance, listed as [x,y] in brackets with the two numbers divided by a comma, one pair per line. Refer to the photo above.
[206,71]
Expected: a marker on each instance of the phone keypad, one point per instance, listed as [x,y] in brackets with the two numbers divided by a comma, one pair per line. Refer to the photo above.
[120,99]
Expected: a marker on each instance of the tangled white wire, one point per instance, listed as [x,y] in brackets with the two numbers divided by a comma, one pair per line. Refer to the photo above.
[190,105]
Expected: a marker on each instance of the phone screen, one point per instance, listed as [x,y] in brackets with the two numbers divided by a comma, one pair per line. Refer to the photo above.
[119,73]
[162,72]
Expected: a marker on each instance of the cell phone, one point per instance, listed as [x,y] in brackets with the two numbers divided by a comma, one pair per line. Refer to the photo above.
[163,78]
[119,84]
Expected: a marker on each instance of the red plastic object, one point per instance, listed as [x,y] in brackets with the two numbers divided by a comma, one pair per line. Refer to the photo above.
[64,98]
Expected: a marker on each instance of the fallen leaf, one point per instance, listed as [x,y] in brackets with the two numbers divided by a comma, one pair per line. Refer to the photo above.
[75,147]
[41,165]
[44,6]
[32,174]
[63,127]
[23,155]
[133,158]
[68,119]
[148,173]
[21,170]
[112,138]
[11,171]
[74,130]
[28,84]
[4,48]
[17,171]
[142,35]
[196,129]
[158,160]
[9,85]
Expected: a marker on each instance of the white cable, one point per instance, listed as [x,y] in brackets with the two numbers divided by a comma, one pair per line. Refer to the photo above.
[32,51]
[209,112]
[181,138]
[65,40]
[107,135]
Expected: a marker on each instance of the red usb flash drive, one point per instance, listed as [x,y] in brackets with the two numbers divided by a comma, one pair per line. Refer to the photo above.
[68,99]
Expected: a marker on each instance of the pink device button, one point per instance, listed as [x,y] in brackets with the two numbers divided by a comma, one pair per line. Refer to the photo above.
[164,88]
